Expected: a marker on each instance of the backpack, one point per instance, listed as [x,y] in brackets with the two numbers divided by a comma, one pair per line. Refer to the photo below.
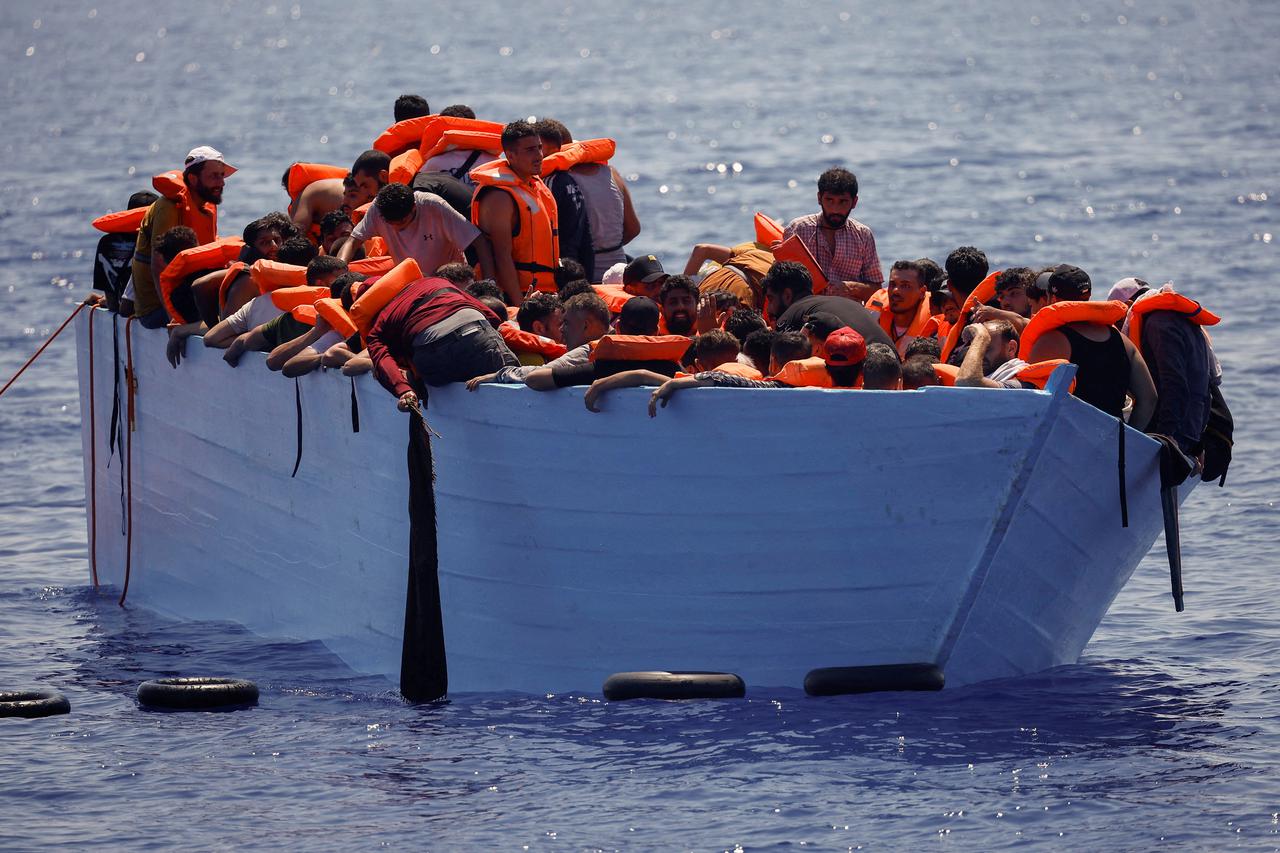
[1217,438]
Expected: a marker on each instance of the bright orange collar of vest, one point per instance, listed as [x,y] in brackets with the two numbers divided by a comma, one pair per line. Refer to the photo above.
[273,275]
[1167,301]
[122,221]
[331,310]
[922,318]
[576,153]
[808,372]
[640,348]
[303,175]
[470,129]
[984,292]
[521,341]
[374,297]
[1061,313]
[210,256]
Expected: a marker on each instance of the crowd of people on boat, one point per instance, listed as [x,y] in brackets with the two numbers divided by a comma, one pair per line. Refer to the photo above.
[463,250]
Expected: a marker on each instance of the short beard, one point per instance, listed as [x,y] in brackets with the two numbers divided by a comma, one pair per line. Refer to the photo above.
[206,194]
[834,220]
[680,325]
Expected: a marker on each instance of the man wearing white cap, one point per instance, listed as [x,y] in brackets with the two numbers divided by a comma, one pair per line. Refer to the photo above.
[193,204]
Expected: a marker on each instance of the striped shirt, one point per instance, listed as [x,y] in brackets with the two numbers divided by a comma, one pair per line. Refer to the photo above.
[854,255]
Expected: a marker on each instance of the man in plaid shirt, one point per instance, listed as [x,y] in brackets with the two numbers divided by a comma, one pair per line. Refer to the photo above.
[844,248]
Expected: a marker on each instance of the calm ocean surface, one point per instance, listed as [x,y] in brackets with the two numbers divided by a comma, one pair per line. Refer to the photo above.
[1131,138]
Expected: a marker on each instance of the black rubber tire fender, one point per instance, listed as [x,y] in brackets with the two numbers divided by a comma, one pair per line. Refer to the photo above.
[193,694]
[843,680]
[32,703]
[674,685]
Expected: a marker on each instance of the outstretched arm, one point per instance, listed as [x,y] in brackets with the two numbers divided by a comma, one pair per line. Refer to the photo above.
[704,252]
[626,379]
[178,335]
[671,386]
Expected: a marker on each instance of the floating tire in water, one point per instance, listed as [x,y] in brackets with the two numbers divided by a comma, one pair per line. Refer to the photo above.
[32,703]
[674,685]
[194,694]
[841,680]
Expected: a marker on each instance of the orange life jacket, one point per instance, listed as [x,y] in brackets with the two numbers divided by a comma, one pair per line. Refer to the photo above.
[879,300]
[489,142]
[376,247]
[122,221]
[200,216]
[1061,313]
[1038,374]
[1034,374]
[211,256]
[984,292]
[535,248]
[513,313]
[359,212]
[331,309]
[467,133]
[1189,308]
[233,272]
[640,348]
[922,325]
[374,265]
[521,341]
[304,314]
[373,298]
[288,298]
[794,249]
[734,368]
[403,134]
[808,372]
[576,153]
[768,230]
[273,275]
[303,175]
[613,295]
[405,166]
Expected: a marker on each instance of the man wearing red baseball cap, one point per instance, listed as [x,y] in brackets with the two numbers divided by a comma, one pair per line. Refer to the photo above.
[840,368]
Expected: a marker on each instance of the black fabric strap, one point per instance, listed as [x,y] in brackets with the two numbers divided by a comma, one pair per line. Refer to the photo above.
[1124,487]
[424,671]
[116,440]
[461,172]
[355,407]
[530,266]
[297,399]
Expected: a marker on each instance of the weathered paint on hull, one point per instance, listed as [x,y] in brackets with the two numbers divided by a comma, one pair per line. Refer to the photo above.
[757,532]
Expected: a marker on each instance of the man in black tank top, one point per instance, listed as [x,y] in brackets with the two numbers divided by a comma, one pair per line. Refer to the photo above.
[1108,366]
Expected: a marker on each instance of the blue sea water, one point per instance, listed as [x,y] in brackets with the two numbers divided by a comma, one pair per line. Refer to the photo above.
[1129,137]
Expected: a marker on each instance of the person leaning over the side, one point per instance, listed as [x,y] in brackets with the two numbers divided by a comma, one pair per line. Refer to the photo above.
[436,332]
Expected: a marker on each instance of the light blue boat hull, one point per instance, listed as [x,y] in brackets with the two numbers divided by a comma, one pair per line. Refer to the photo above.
[765,533]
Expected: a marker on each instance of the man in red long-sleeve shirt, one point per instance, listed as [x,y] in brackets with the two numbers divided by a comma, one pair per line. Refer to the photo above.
[437,333]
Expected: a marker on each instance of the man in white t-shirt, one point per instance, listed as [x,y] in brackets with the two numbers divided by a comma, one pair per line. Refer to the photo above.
[418,225]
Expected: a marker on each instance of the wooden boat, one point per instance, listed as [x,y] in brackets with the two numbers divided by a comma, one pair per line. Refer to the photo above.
[763,533]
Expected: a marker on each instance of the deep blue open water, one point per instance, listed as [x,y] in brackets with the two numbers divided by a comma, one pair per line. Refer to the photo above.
[1129,137]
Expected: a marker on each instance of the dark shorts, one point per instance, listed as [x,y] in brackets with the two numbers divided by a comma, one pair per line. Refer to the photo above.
[465,352]
[157,319]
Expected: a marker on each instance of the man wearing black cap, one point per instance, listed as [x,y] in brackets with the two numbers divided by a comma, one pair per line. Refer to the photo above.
[789,297]
[1108,366]
[644,276]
